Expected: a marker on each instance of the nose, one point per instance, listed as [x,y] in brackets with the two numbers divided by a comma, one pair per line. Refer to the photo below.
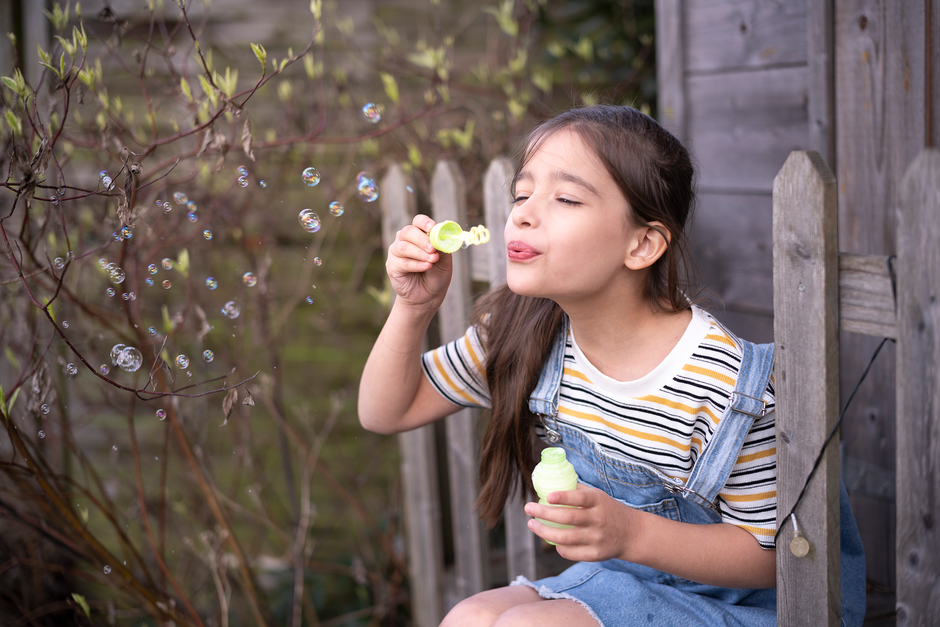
[523,214]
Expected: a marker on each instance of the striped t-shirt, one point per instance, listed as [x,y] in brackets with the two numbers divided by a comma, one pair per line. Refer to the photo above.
[663,419]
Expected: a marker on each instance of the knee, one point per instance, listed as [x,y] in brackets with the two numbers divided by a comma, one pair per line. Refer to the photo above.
[472,612]
[519,616]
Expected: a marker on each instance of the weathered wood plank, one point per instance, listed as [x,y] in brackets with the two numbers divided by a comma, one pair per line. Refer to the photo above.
[866,297]
[744,125]
[449,202]
[880,82]
[670,68]
[918,380]
[821,66]
[418,454]
[807,381]
[736,34]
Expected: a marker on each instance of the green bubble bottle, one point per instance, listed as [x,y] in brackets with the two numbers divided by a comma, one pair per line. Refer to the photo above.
[553,474]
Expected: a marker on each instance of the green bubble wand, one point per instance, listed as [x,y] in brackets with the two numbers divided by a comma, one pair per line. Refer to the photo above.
[449,237]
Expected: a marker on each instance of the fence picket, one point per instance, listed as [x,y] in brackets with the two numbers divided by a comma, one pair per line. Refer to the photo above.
[918,410]
[806,330]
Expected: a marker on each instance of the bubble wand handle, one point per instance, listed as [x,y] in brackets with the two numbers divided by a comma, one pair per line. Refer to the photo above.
[553,474]
[449,237]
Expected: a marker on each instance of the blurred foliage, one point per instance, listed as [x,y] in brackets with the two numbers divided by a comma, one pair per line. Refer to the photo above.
[253,496]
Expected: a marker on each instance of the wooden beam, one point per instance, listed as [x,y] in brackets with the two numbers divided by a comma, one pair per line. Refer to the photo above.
[420,487]
[918,381]
[866,296]
[821,58]
[449,202]
[806,326]
[670,67]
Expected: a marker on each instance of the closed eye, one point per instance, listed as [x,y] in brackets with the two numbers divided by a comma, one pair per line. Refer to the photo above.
[519,199]
[568,201]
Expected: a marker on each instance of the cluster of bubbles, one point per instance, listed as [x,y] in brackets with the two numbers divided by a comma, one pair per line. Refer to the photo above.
[309,220]
[129,296]
[127,358]
[115,273]
[106,181]
[250,279]
[242,176]
[372,112]
[366,187]
[311,177]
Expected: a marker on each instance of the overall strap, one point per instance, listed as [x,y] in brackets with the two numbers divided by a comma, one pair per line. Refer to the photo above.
[746,405]
[543,402]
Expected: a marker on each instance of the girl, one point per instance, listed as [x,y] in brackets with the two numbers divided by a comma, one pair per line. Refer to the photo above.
[593,346]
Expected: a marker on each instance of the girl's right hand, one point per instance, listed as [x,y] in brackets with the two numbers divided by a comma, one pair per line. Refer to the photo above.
[419,274]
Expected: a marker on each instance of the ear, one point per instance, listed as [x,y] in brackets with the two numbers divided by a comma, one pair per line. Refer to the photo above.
[648,244]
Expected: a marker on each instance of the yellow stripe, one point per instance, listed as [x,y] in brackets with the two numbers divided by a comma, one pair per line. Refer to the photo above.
[577,375]
[747,498]
[758,455]
[473,356]
[448,380]
[723,338]
[709,373]
[680,406]
[697,441]
[758,531]
[631,432]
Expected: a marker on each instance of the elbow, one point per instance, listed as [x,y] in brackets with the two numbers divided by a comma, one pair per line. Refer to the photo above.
[370,422]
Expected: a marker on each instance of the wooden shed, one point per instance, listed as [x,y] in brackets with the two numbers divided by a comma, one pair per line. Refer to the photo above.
[745,82]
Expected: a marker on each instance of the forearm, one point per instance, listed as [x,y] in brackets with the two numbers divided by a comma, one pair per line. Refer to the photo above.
[717,554]
[392,374]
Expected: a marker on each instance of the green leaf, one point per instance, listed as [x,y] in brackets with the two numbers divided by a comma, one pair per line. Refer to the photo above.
[15,123]
[83,603]
[261,54]
[504,17]
[167,324]
[391,87]
[187,91]
[3,402]
[12,358]
[182,263]
[13,400]
[9,82]
[44,58]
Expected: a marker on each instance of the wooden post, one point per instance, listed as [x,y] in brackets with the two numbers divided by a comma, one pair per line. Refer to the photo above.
[448,202]
[918,410]
[422,503]
[806,324]
[670,66]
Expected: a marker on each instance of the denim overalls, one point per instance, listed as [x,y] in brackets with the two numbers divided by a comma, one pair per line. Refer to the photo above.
[619,593]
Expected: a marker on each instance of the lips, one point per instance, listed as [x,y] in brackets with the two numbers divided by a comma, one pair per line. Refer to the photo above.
[520,251]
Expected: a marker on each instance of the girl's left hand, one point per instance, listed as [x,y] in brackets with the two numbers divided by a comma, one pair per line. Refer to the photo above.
[603,528]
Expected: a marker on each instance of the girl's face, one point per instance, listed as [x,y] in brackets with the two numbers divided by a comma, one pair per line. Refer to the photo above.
[569,235]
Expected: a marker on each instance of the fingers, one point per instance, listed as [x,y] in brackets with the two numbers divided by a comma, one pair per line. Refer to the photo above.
[412,251]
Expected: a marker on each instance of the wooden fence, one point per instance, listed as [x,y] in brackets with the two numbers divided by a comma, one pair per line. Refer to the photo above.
[817,293]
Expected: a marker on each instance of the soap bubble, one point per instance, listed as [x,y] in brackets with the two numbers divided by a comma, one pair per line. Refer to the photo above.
[182,362]
[44,408]
[110,291]
[409,189]
[152,330]
[127,232]
[211,283]
[42,434]
[372,112]
[116,275]
[311,177]
[366,186]
[116,236]
[60,191]
[167,284]
[116,352]
[59,263]
[310,300]
[243,181]
[193,216]
[207,234]
[107,570]
[167,263]
[114,447]
[250,279]
[161,414]
[167,207]
[152,268]
[102,263]
[231,310]
[132,295]
[71,370]
[208,355]
[263,183]
[104,369]
[130,359]
[70,255]
[309,220]
[148,281]
[317,261]
[337,209]
[242,171]
[126,295]
[180,198]
[65,324]
[192,206]
[106,180]
[55,201]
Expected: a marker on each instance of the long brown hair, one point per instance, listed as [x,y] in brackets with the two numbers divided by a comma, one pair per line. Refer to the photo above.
[654,172]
